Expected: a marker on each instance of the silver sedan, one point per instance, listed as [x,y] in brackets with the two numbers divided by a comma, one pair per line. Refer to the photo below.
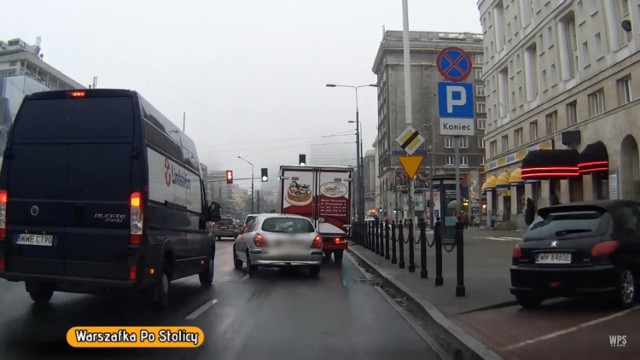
[278,240]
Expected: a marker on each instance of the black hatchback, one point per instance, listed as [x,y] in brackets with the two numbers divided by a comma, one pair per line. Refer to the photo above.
[579,249]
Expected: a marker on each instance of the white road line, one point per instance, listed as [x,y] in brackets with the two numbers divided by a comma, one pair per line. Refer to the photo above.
[201,309]
[505,238]
[571,329]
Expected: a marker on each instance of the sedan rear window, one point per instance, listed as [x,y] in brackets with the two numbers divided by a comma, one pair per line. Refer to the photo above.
[287,225]
[565,224]
[225,222]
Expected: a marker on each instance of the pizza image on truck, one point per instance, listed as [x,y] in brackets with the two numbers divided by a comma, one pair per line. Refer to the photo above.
[322,194]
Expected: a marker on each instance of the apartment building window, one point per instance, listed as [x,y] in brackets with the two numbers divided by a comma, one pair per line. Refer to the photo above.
[572,113]
[568,46]
[480,142]
[481,108]
[493,148]
[449,160]
[550,36]
[551,123]
[541,41]
[503,91]
[586,61]
[545,83]
[481,160]
[533,130]
[479,90]
[624,90]
[599,52]
[580,7]
[595,102]
[554,75]
[513,100]
[505,143]
[531,71]
[478,74]
[479,59]
[463,142]
[482,123]
[594,6]
[518,138]
[448,142]
[525,12]
[464,161]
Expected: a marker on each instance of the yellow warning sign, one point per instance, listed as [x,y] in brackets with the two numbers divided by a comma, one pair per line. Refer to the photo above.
[411,164]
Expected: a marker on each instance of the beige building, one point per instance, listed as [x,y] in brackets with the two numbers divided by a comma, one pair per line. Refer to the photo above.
[561,79]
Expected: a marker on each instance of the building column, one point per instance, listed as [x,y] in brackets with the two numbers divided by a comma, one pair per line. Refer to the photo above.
[587,187]
[500,207]
[545,194]
[490,205]
[515,197]
[565,191]
[610,13]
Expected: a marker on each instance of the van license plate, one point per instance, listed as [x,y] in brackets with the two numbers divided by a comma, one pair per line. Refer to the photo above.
[35,239]
[553,258]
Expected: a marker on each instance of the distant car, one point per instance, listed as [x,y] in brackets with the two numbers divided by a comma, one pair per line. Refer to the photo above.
[225,227]
[278,240]
[579,249]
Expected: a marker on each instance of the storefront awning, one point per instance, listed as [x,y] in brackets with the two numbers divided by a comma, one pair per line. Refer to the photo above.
[503,181]
[544,164]
[516,177]
[490,183]
[594,158]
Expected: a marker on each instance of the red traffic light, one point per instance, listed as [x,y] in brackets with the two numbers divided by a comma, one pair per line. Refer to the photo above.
[229,177]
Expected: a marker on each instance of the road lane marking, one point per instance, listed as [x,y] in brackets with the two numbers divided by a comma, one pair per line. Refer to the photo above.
[502,238]
[571,329]
[201,309]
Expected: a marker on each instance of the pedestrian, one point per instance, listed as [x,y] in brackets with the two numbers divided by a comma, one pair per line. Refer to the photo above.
[530,212]
[555,200]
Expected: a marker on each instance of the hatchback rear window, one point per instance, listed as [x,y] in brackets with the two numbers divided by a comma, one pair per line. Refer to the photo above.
[566,224]
[105,117]
[287,225]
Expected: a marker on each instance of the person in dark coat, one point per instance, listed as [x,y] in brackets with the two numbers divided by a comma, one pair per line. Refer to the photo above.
[529,212]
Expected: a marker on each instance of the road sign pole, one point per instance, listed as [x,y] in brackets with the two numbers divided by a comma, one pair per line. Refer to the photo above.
[457,166]
[407,62]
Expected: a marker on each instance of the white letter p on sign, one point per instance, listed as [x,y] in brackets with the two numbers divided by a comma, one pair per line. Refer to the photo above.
[451,102]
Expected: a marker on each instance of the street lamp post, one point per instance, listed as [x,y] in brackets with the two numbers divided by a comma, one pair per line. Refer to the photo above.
[359,154]
[252,178]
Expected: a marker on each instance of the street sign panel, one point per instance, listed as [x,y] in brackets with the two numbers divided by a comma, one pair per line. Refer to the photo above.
[456,108]
[454,64]
[410,140]
[411,164]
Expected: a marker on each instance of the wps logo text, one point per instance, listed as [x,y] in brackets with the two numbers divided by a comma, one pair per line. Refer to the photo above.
[618,340]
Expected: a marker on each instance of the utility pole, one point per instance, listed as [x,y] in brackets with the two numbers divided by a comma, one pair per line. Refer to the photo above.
[258,207]
[431,156]
[407,89]
[457,166]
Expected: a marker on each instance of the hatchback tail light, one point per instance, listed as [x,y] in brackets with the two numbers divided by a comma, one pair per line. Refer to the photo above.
[337,241]
[517,252]
[317,242]
[604,248]
[259,240]
[3,213]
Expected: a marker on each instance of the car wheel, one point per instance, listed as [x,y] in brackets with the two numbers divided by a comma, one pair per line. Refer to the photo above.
[626,293]
[237,263]
[252,268]
[163,288]
[314,271]
[529,301]
[337,256]
[206,276]
[40,293]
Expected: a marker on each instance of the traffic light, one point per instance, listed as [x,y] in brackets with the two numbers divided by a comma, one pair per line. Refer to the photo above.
[265,177]
[229,176]
[302,159]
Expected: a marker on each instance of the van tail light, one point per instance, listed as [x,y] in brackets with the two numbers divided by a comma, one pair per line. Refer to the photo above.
[133,272]
[137,218]
[317,242]
[604,248]
[517,252]
[77,94]
[3,213]
[259,240]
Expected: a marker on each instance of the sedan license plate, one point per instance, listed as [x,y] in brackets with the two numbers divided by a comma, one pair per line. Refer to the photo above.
[223,228]
[553,258]
[35,239]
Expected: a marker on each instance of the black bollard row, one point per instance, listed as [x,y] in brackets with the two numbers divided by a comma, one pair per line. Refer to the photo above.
[394,259]
[412,263]
[375,236]
[386,240]
[437,234]
[382,234]
[423,248]
[401,244]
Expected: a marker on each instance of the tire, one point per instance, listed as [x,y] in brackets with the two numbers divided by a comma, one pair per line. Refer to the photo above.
[206,276]
[40,294]
[337,256]
[237,263]
[252,268]
[314,271]
[163,288]
[626,294]
[529,301]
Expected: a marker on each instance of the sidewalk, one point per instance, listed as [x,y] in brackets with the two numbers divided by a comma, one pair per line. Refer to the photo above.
[487,258]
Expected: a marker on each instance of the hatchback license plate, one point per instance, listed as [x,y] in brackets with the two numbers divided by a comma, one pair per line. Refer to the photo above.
[553,258]
[35,239]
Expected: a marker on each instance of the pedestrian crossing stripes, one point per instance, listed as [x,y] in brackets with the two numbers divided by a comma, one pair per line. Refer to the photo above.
[501,238]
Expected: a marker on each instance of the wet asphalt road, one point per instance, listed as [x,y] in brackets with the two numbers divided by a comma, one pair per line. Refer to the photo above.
[276,315]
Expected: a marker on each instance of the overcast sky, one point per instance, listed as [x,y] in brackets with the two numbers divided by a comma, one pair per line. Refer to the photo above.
[250,74]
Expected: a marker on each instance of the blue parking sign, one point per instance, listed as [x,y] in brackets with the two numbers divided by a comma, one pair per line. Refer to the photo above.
[455,100]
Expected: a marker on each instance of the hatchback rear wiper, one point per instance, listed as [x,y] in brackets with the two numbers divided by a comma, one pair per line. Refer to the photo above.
[571,231]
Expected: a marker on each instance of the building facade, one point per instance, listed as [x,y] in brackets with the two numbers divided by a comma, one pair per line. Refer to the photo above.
[369,172]
[560,80]
[389,68]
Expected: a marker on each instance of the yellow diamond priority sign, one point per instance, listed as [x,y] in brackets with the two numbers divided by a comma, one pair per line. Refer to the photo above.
[411,164]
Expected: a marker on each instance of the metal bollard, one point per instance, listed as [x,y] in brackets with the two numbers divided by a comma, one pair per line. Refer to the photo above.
[382,231]
[401,244]
[412,263]
[375,236]
[423,248]
[386,240]
[437,234]
[394,259]
[460,290]
[366,235]
[369,229]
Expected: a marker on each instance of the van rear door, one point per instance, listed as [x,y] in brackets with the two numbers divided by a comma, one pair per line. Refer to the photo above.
[69,179]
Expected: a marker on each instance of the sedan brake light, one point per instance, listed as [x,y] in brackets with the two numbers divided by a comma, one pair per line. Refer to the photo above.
[517,252]
[259,240]
[604,248]
[317,242]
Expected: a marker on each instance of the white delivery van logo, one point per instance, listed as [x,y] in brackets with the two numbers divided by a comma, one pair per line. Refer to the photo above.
[175,175]
[167,172]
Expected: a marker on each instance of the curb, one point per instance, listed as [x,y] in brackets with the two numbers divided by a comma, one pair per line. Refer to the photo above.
[472,345]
